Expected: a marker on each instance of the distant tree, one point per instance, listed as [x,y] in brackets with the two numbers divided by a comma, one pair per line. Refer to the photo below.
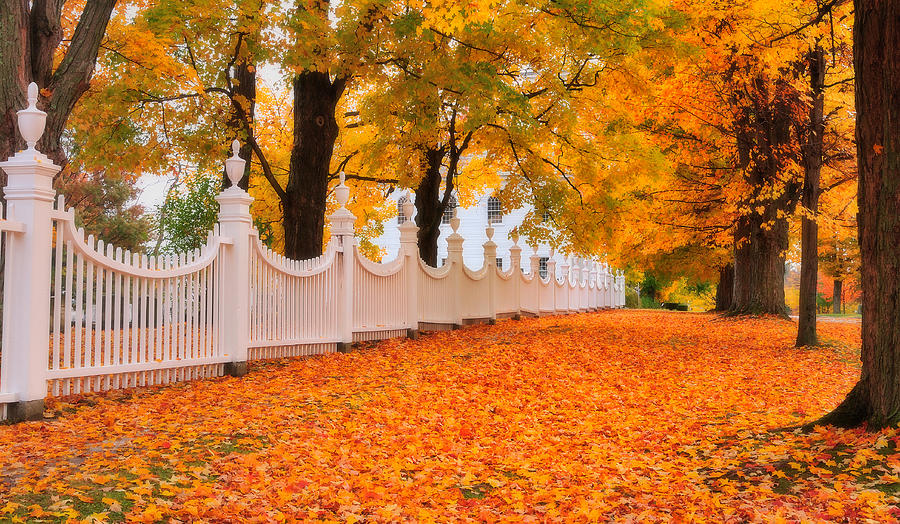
[188,214]
[104,206]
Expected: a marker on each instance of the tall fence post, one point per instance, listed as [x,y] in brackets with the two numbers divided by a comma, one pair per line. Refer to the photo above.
[409,248]
[551,272]
[621,299]
[536,279]
[490,262]
[455,258]
[26,312]
[515,262]
[564,270]
[235,222]
[342,228]
[604,276]
[592,286]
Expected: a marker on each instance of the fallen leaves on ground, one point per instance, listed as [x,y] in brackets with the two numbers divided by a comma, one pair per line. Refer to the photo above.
[625,415]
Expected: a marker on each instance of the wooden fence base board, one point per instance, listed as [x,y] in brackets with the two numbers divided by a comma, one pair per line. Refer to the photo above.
[437,326]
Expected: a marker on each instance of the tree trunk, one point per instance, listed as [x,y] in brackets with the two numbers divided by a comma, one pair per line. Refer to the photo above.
[315,132]
[429,210]
[838,291]
[764,132]
[725,289]
[875,399]
[759,266]
[809,235]
[28,47]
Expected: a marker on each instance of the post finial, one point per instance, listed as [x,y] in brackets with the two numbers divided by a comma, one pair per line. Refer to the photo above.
[489,231]
[234,166]
[32,95]
[408,207]
[342,192]
[31,120]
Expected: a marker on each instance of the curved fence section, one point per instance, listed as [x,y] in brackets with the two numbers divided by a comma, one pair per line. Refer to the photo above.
[506,292]
[293,304]
[476,297]
[121,319]
[380,305]
[437,296]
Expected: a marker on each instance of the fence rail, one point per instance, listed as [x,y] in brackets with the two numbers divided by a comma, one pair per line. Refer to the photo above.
[80,315]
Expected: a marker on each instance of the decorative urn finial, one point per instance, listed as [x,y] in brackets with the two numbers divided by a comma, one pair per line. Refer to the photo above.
[454,222]
[31,120]
[234,166]
[408,207]
[342,192]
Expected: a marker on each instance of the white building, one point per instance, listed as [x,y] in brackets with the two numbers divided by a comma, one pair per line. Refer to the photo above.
[473,222]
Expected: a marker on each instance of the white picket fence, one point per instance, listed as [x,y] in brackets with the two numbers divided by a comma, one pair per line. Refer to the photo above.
[80,316]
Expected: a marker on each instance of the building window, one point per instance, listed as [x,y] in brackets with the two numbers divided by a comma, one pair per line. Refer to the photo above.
[443,261]
[495,213]
[545,217]
[401,216]
[448,212]
[499,262]
[542,266]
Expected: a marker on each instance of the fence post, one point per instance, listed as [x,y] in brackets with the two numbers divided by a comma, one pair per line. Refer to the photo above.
[536,274]
[455,258]
[409,248]
[342,228]
[621,301]
[26,312]
[235,222]
[576,291]
[606,292]
[490,262]
[564,271]
[551,272]
[584,302]
[515,262]
[593,302]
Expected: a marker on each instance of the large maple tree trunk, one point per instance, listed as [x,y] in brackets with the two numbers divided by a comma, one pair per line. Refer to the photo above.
[809,234]
[31,33]
[838,291]
[429,210]
[315,131]
[875,399]
[765,133]
[431,202]
[725,289]
[759,266]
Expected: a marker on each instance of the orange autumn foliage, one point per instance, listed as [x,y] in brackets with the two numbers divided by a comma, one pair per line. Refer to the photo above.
[586,417]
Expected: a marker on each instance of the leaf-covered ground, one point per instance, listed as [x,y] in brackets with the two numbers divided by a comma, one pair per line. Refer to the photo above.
[625,415]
